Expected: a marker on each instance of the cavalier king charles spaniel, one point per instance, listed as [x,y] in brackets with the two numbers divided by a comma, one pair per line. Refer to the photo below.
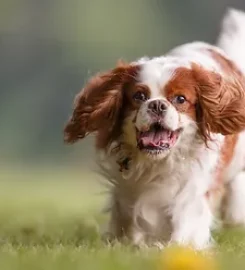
[170,134]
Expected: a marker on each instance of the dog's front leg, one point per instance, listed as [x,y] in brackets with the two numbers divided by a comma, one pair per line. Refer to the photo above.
[122,227]
[191,219]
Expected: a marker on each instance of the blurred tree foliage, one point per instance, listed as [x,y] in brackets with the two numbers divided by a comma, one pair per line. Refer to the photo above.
[49,48]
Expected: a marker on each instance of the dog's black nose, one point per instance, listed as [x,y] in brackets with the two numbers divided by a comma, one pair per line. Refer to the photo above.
[157,106]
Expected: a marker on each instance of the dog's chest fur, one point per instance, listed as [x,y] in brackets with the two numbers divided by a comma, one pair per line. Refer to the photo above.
[145,191]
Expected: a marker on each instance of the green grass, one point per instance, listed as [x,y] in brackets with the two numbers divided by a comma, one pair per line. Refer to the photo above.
[50,220]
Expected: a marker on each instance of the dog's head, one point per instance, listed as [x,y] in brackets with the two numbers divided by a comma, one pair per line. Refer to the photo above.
[154,105]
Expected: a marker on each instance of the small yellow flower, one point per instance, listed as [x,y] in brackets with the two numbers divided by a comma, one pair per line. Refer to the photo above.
[177,258]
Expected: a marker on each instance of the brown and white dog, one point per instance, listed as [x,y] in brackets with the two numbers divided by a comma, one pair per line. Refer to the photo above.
[171,132]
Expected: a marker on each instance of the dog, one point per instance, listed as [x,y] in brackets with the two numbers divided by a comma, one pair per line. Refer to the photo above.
[170,135]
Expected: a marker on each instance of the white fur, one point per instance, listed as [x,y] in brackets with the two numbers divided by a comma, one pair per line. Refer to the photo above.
[235,212]
[232,37]
[164,198]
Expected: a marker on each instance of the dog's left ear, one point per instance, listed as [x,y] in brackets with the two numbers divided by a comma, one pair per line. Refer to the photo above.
[221,102]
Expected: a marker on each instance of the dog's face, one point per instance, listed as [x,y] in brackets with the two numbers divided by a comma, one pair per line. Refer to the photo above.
[162,112]
[153,107]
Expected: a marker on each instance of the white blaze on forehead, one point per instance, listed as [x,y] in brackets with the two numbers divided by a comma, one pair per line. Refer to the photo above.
[155,75]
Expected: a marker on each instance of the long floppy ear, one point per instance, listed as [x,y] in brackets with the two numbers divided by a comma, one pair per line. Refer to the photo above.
[221,102]
[97,106]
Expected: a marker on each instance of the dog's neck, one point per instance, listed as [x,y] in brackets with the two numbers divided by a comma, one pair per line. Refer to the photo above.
[128,157]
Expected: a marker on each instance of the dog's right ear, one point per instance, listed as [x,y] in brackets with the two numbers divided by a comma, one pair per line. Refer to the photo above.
[221,102]
[98,105]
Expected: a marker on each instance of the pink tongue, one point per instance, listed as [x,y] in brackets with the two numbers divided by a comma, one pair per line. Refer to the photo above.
[154,138]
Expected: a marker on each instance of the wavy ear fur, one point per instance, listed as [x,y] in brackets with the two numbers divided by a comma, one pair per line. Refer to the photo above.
[221,107]
[97,106]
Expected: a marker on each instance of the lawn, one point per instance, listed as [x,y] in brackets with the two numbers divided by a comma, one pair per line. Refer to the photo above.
[49,219]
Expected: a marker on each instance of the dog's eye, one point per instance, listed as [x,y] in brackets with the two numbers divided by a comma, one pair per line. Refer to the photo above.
[179,100]
[140,96]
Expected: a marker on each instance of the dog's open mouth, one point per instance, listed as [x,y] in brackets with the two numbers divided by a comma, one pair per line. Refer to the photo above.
[157,139]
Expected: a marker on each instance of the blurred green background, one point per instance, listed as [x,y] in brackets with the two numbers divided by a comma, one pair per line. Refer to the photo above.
[49,196]
[49,48]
